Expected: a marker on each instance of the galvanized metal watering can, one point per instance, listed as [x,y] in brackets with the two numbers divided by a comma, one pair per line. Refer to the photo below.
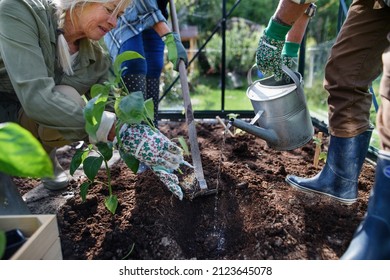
[282,117]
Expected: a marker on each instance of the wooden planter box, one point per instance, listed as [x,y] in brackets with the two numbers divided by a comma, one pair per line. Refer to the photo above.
[41,231]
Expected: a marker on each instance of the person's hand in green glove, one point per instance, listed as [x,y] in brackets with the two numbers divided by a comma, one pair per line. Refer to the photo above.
[176,50]
[290,55]
[269,50]
[155,150]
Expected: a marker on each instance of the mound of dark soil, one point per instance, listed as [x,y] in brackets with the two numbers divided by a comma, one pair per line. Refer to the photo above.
[256,214]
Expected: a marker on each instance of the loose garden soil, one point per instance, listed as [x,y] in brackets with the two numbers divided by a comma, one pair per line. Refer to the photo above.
[256,214]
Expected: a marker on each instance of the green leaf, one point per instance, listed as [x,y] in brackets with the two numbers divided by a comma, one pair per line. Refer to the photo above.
[91,166]
[99,89]
[130,161]
[21,154]
[317,140]
[323,156]
[127,55]
[184,145]
[130,109]
[3,242]
[111,203]
[106,149]
[84,189]
[76,161]
[149,108]
[93,112]
[232,116]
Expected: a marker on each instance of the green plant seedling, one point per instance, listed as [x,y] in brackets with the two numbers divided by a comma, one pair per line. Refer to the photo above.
[232,116]
[91,165]
[319,155]
[317,140]
[237,131]
[130,108]
[323,156]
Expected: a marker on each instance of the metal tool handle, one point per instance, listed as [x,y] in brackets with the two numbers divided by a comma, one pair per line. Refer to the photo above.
[195,153]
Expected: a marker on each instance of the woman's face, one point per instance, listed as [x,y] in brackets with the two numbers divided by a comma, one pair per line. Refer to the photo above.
[94,20]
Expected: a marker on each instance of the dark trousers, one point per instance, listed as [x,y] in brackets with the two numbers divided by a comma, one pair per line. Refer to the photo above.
[355,62]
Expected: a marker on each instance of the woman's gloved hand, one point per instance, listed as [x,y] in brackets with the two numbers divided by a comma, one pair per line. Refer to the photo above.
[176,50]
[155,150]
[269,50]
[170,180]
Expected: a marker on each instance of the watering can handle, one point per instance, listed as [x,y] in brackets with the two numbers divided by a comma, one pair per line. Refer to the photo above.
[285,69]
[294,77]
[291,74]
[249,75]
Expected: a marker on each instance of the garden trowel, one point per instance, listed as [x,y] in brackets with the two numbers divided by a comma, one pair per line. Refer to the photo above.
[195,184]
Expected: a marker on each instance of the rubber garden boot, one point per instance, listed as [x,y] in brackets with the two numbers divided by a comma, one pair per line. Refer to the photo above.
[61,178]
[371,240]
[339,177]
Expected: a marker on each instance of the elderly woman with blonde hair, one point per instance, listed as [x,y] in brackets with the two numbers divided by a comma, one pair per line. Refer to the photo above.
[49,58]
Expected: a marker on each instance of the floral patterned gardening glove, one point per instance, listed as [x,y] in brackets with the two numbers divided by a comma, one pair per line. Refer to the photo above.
[269,50]
[155,150]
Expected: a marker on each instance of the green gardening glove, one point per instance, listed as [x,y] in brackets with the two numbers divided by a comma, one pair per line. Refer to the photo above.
[290,55]
[155,150]
[269,50]
[176,50]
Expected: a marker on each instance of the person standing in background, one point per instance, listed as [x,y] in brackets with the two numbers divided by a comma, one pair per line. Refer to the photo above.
[144,29]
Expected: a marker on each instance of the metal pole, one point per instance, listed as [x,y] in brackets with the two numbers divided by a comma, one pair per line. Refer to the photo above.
[223,56]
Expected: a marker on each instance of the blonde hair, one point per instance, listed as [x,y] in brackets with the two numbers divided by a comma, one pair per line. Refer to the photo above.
[63,6]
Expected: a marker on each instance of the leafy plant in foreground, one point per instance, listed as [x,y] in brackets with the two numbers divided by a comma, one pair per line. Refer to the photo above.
[21,155]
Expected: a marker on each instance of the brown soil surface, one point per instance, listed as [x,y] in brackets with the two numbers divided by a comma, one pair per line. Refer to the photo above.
[256,214]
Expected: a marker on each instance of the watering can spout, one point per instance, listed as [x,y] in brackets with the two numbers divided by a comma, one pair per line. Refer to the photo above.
[269,135]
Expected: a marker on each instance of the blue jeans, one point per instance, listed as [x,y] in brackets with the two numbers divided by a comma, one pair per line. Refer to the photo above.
[149,45]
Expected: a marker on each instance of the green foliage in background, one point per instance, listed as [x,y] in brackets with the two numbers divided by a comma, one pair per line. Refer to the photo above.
[242,39]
